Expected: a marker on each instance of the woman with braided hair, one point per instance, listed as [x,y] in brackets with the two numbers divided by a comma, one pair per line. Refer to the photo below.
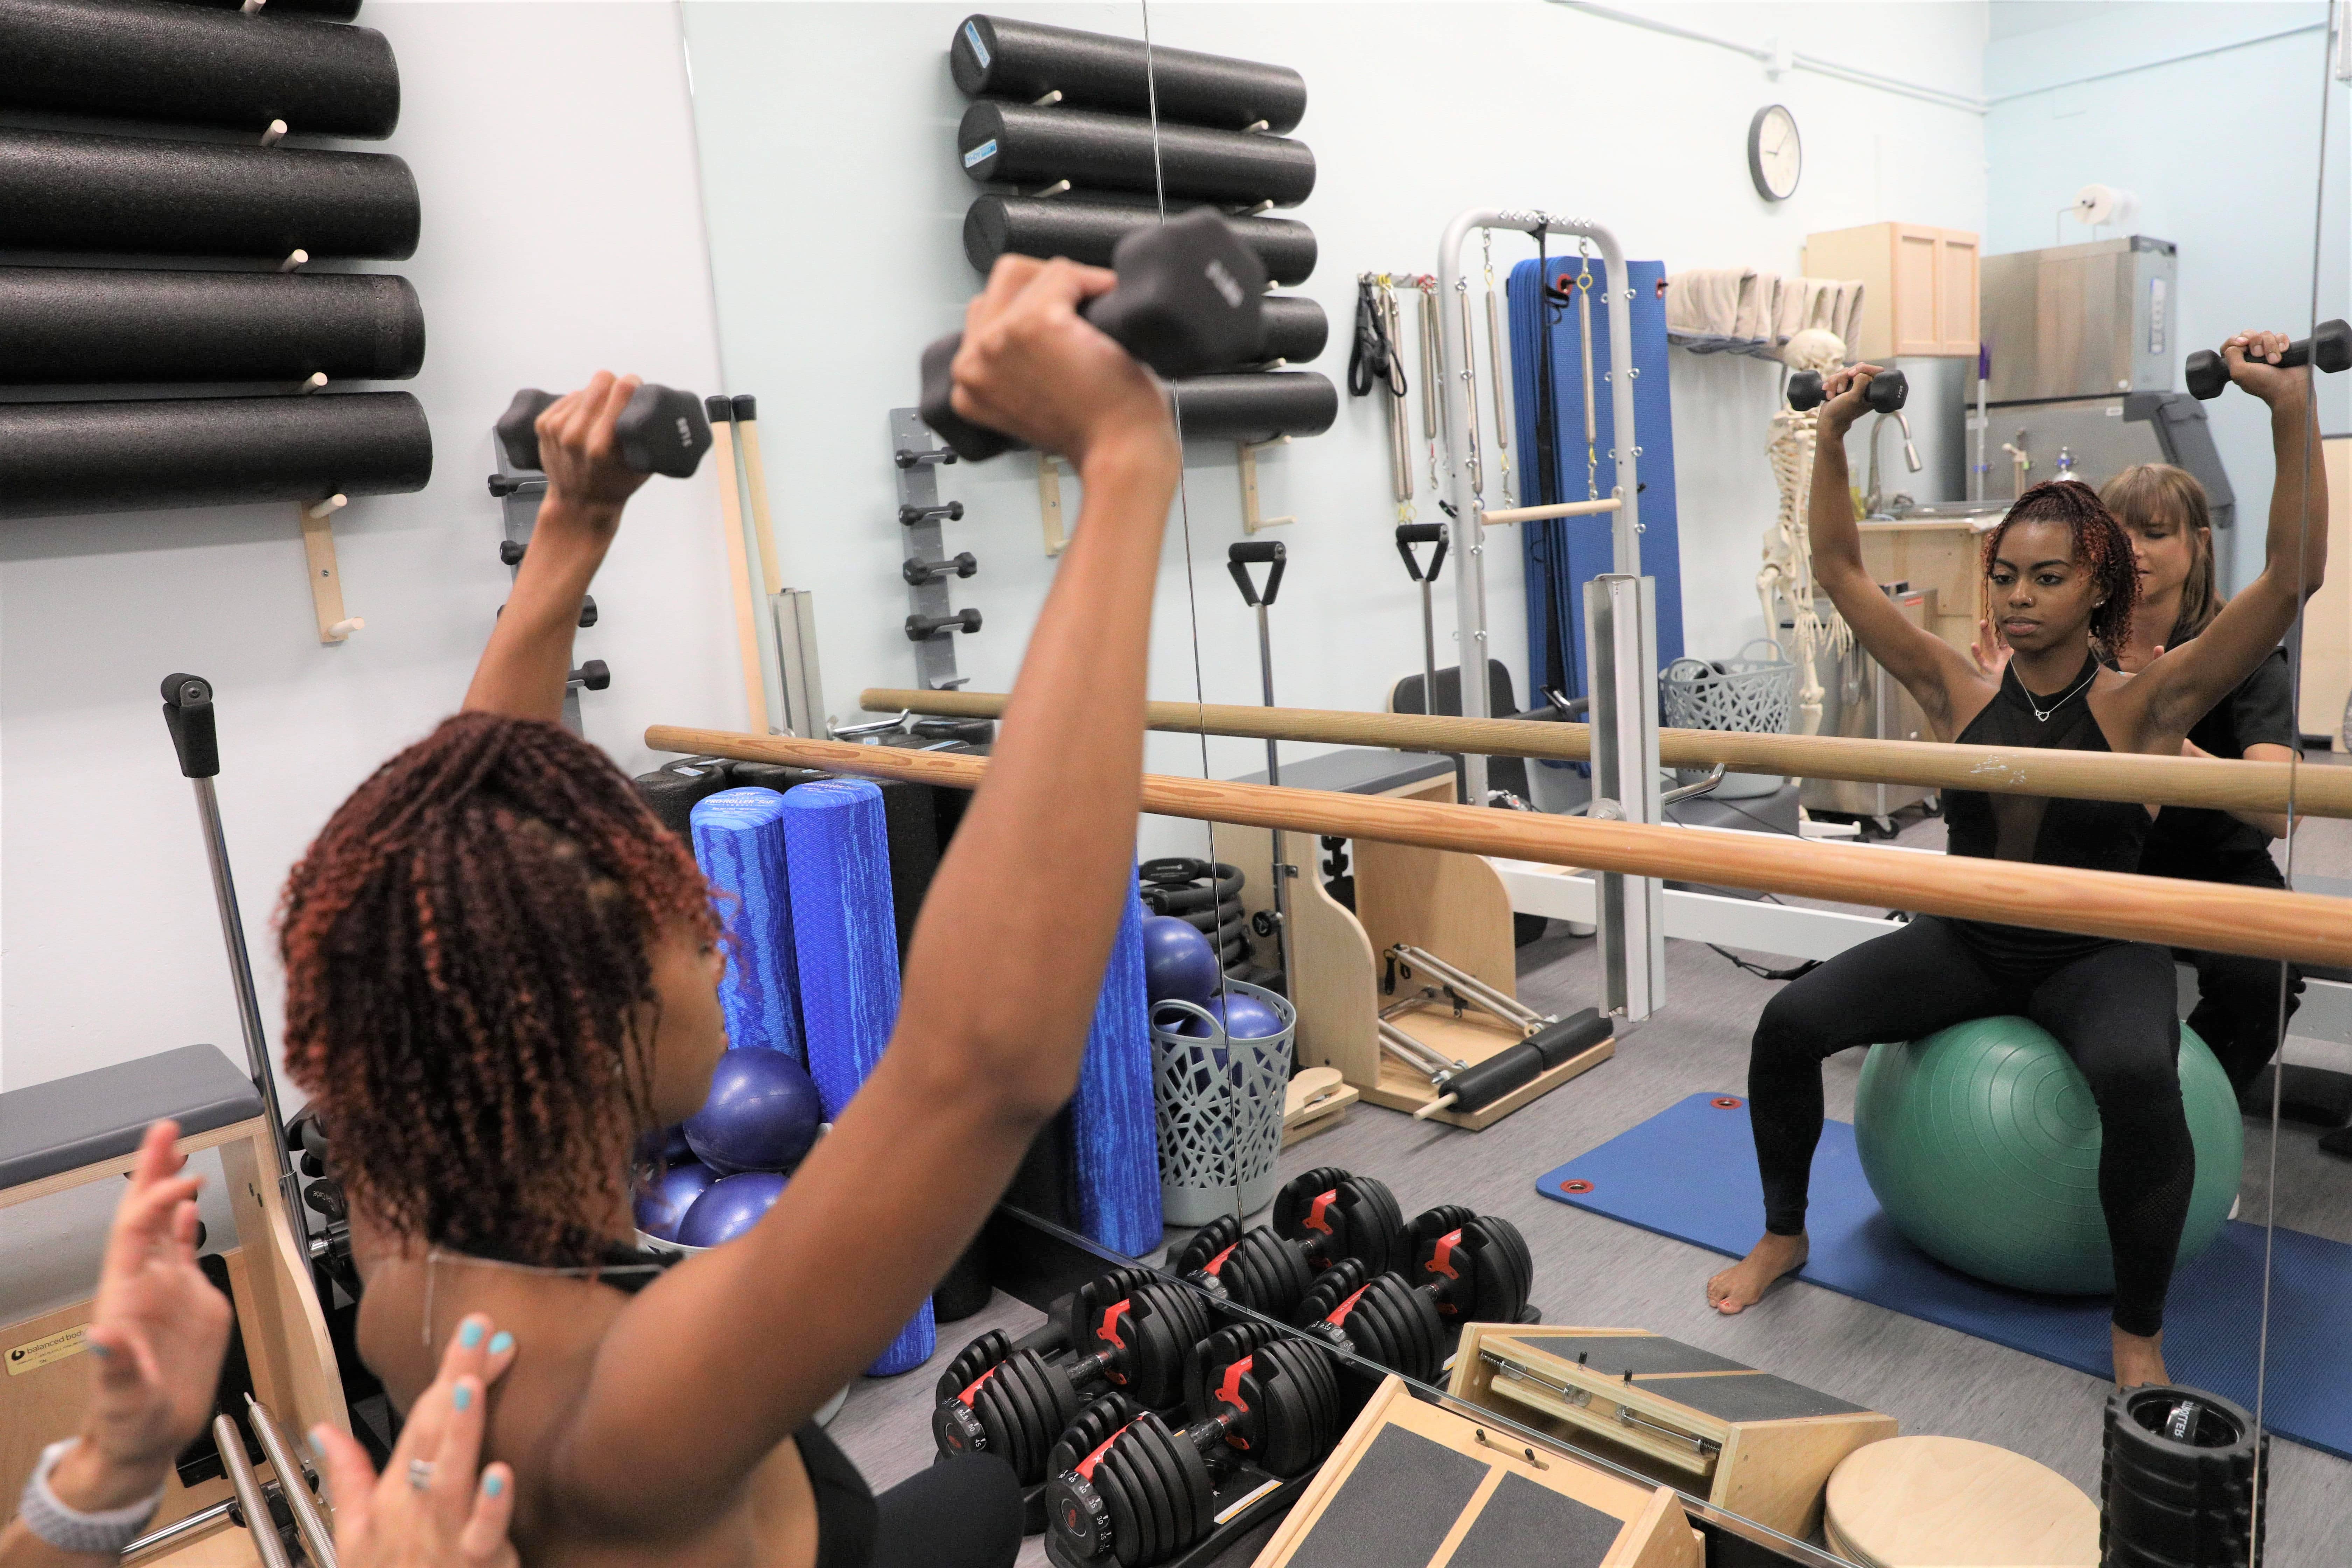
[501,971]
[2064,584]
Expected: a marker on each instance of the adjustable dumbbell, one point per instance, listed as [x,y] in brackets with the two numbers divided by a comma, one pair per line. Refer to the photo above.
[1887,392]
[916,572]
[2329,348]
[1190,297]
[1465,1269]
[662,430]
[922,628]
[1145,1492]
[1320,1218]
[1133,1329]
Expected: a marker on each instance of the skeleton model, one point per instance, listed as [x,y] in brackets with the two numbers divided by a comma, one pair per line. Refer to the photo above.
[1788,571]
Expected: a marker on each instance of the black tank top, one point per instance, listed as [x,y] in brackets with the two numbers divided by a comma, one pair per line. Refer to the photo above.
[2089,835]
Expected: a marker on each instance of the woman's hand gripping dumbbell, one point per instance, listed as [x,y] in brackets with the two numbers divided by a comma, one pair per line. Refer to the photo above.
[1182,298]
[2329,348]
[661,431]
[1883,391]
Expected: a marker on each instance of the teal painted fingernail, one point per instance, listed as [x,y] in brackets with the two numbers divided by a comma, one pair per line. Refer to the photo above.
[493,1484]
[462,1397]
[470,1335]
[501,1342]
[96,1349]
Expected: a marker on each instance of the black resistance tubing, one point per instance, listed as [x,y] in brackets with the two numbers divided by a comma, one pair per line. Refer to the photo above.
[132,196]
[1255,406]
[1016,144]
[190,65]
[1086,228]
[89,325]
[63,457]
[341,10]
[997,56]
[1297,329]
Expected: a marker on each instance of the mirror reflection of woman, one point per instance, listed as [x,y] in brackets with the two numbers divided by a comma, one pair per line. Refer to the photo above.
[2064,583]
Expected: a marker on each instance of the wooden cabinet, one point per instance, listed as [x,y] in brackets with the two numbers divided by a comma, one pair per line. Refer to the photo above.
[2327,615]
[1919,287]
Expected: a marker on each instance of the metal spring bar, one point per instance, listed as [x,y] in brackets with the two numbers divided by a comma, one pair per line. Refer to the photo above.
[1424,1060]
[1499,366]
[1516,1013]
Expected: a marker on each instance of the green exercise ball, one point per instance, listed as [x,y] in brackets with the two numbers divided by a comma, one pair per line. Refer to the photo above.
[1982,1145]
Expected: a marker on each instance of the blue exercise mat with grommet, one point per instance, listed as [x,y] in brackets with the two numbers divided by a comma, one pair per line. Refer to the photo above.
[1114,1125]
[739,842]
[846,941]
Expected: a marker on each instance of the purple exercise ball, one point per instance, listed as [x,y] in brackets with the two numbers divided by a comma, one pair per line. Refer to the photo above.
[1179,965]
[761,1115]
[732,1206]
[1242,1015]
[663,1201]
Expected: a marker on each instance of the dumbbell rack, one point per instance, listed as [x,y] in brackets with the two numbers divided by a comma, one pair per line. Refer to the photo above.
[917,456]
[518,492]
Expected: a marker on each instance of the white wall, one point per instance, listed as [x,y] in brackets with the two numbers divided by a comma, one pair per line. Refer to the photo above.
[553,150]
[837,120]
[2209,111]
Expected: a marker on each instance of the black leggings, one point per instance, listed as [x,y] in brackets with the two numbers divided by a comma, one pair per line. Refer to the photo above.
[2111,1008]
[2237,1009]
[963,1512]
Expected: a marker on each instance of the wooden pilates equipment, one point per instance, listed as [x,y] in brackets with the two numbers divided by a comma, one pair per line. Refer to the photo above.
[2003,770]
[2257,921]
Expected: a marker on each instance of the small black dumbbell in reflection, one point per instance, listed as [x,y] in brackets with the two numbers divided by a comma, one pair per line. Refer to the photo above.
[1147,1492]
[1465,1269]
[1887,391]
[661,431]
[922,628]
[918,572]
[1320,1218]
[596,675]
[2329,348]
[1190,297]
[911,514]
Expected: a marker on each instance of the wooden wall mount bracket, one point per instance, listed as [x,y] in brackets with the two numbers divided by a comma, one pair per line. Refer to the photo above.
[318,522]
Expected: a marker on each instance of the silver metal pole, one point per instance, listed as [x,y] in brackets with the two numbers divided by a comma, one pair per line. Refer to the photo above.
[1621,655]
[1470,986]
[249,1495]
[248,1006]
[316,1538]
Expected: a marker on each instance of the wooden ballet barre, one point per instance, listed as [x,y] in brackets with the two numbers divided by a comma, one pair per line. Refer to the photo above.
[2002,769]
[2257,921]
[1561,509]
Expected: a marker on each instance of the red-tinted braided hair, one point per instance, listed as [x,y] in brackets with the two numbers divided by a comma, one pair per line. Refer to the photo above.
[2101,548]
[468,990]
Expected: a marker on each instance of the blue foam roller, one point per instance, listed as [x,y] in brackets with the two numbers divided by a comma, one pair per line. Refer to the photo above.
[845,936]
[1114,1128]
[738,841]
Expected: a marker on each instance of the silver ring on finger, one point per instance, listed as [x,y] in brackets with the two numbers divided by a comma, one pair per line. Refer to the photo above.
[420,1475]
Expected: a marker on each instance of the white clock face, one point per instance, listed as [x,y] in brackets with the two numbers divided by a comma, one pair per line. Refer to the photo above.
[1775,156]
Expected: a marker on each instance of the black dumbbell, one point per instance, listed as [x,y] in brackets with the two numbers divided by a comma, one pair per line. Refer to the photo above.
[509,552]
[1145,1492]
[596,675]
[1320,1218]
[1887,391]
[661,431]
[1131,1332]
[918,572]
[922,628]
[911,514]
[2329,348]
[1191,298]
[1465,1269]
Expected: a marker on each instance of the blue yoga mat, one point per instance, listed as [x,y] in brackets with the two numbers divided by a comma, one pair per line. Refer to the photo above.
[738,841]
[1688,1172]
[1113,1121]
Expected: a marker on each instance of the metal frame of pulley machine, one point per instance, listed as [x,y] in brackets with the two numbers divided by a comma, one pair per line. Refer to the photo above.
[1621,613]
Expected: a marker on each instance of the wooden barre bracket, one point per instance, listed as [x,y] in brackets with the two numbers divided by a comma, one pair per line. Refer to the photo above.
[2000,770]
[2256,922]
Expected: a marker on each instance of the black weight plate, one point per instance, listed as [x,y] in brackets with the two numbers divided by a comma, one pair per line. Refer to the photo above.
[1205,1243]
[1170,1456]
[1378,1328]
[1381,1229]
[1196,1494]
[1286,1435]
[1128,1516]
[1010,1422]
[1028,1396]
[1422,1234]
[972,1361]
[1148,1485]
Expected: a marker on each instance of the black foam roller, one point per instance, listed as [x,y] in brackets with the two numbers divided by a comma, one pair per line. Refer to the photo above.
[190,65]
[997,56]
[61,457]
[105,324]
[62,190]
[1017,143]
[1295,328]
[341,10]
[1255,406]
[1086,229]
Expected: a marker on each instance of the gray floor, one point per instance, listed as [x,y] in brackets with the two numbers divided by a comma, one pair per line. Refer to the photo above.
[1594,1270]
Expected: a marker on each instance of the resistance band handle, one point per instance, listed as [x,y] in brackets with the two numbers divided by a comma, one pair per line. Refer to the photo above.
[1238,560]
[1409,534]
[188,713]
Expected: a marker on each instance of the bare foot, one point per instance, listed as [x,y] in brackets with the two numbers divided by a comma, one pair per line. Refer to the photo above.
[1743,1284]
[2138,1361]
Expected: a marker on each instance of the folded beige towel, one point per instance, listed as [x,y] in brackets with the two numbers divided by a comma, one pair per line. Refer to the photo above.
[1754,322]
[1706,301]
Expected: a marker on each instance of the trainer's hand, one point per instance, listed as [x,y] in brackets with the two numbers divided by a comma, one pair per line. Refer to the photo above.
[580,452]
[454,1519]
[1031,367]
[2250,357]
[1842,391]
[1988,652]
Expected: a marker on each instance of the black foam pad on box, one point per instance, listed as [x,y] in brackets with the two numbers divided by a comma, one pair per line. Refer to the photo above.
[1752,1396]
[86,325]
[1250,405]
[997,56]
[1523,1522]
[671,790]
[340,10]
[136,195]
[1024,145]
[189,65]
[65,458]
[1395,1508]
[1615,1355]
[1086,227]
